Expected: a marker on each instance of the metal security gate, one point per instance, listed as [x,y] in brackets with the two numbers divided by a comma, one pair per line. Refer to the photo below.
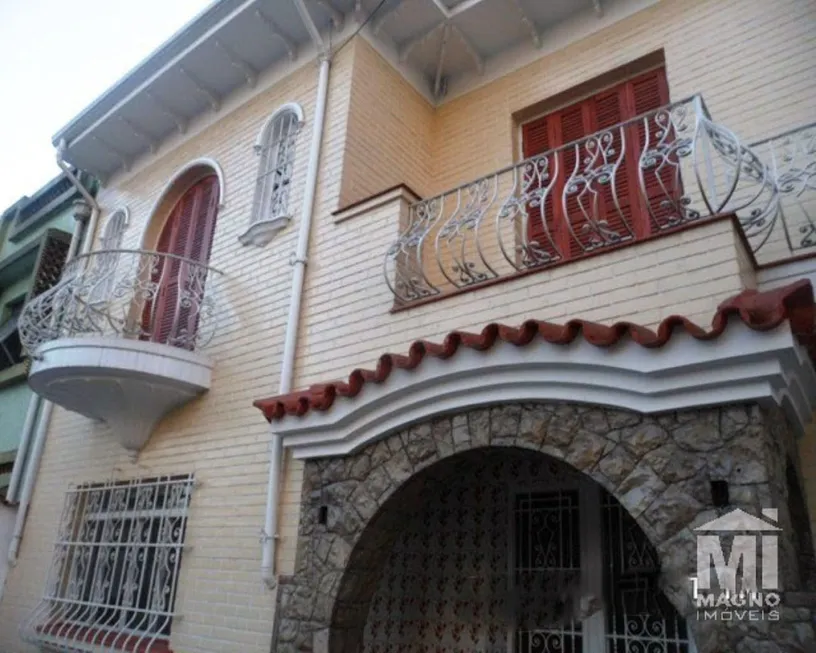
[586,578]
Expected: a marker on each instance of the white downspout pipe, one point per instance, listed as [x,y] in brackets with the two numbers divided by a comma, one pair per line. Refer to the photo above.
[91,229]
[270,536]
[33,466]
[28,487]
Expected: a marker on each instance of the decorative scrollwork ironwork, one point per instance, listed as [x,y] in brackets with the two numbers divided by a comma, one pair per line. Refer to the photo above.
[115,570]
[658,171]
[131,294]
[792,162]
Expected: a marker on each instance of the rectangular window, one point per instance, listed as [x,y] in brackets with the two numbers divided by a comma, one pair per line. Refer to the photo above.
[600,194]
[116,563]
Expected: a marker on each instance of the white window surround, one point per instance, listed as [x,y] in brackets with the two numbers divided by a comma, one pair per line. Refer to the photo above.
[276,148]
[202,163]
[114,229]
[741,365]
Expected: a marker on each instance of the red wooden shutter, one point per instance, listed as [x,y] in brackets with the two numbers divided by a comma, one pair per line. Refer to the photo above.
[646,93]
[629,213]
[188,234]
[536,139]
[573,124]
[200,244]
[617,216]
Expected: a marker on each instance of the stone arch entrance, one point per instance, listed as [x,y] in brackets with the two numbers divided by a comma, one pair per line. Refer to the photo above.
[659,469]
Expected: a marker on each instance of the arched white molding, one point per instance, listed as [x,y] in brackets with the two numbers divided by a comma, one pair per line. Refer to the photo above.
[201,162]
[740,366]
[294,107]
[114,229]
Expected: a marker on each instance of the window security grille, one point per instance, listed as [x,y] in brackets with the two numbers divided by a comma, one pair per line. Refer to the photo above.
[639,616]
[53,253]
[277,159]
[104,265]
[551,544]
[113,579]
[547,540]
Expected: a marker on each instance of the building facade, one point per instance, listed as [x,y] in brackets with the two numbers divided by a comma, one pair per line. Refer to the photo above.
[35,236]
[558,255]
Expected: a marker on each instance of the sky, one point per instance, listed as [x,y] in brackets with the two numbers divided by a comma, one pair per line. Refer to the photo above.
[58,56]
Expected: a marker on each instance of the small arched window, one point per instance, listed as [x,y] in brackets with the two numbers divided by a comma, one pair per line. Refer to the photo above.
[275,146]
[104,264]
[114,230]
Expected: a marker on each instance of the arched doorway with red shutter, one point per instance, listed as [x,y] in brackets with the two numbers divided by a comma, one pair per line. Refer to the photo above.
[178,267]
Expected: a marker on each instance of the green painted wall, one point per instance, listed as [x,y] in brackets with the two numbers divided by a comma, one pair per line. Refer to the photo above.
[62,219]
[13,406]
[15,396]
[12,292]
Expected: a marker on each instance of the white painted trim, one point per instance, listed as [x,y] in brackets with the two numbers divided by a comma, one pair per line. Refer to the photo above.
[261,232]
[109,222]
[201,162]
[294,107]
[741,365]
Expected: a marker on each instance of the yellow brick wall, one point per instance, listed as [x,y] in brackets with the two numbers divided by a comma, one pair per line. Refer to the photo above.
[221,438]
[751,60]
[389,131]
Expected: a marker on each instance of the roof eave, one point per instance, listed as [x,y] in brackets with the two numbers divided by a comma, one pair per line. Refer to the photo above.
[158,59]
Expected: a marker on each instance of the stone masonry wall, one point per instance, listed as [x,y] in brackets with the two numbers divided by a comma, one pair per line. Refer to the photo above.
[660,468]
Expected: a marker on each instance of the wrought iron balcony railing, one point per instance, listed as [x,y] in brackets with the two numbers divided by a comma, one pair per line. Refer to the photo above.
[151,296]
[791,224]
[652,174]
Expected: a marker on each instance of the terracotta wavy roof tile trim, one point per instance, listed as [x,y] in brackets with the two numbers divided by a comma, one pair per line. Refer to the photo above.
[760,311]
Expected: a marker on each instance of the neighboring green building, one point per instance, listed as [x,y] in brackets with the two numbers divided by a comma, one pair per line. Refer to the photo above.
[35,234]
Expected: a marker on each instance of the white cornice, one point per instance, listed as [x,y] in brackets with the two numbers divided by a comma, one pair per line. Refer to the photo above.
[740,366]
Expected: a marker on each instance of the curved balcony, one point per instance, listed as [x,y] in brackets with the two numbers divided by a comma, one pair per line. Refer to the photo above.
[122,338]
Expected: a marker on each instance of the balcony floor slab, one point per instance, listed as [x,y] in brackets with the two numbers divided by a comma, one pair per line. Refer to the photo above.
[129,384]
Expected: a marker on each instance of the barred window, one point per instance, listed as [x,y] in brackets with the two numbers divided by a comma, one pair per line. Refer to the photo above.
[114,230]
[104,271]
[114,574]
[276,148]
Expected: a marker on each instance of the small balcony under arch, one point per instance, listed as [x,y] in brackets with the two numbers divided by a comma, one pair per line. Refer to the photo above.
[122,337]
